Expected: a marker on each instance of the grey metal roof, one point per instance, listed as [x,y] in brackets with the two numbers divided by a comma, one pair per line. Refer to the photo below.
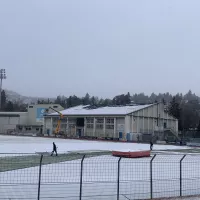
[86,110]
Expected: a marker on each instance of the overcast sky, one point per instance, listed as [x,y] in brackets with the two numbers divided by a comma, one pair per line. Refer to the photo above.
[103,47]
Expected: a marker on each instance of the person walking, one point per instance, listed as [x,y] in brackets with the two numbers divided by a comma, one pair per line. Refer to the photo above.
[151,145]
[138,138]
[54,149]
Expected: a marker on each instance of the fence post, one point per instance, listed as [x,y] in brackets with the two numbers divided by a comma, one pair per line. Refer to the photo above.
[81,178]
[118,177]
[151,176]
[181,175]
[40,173]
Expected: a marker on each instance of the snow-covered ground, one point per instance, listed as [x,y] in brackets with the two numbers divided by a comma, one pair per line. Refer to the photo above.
[62,180]
[16,144]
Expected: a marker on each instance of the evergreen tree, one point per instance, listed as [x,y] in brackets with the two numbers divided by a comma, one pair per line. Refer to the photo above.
[163,101]
[9,107]
[128,98]
[58,100]
[174,108]
[3,99]
[86,99]
[69,102]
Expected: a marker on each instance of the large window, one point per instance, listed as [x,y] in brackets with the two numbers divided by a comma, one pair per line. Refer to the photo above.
[72,125]
[63,125]
[99,123]
[64,120]
[90,122]
[90,125]
[72,121]
[99,120]
[109,126]
[109,123]
[99,126]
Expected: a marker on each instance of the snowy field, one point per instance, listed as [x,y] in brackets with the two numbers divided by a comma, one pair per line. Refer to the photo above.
[17,144]
[100,174]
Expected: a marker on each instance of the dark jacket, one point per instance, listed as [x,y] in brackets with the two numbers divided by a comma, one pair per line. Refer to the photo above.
[54,146]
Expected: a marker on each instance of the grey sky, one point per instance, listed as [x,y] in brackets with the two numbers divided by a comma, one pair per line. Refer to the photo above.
[104,47]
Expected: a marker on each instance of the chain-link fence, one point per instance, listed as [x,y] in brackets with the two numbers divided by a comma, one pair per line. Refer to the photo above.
[80,177]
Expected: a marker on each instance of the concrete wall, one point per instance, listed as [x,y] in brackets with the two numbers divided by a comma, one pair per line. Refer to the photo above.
[48,126]
[8,124]
[151,119]
[23,119]
[23,116]
[33,113]
[27,121]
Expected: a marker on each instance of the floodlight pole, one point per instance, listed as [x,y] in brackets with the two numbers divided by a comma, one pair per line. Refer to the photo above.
[2,76]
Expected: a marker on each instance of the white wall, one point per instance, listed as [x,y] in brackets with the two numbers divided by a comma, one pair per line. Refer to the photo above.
[146,120]
[48,124]
[8,123]
[32,112]
[23,119]
[127,124]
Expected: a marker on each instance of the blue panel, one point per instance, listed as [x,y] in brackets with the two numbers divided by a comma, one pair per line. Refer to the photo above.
[128,137]
[40,114]
[120,135]
[79,132]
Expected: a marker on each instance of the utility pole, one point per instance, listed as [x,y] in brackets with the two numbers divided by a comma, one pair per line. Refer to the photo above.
[2,77]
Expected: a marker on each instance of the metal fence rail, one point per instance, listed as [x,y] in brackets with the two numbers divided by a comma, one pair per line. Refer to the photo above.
[79,177]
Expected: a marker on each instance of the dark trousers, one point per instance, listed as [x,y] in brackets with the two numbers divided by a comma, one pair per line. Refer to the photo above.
[54,150]
[151,146]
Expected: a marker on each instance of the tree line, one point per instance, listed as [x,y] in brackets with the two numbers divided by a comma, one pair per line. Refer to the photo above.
[186,108]
[11,106]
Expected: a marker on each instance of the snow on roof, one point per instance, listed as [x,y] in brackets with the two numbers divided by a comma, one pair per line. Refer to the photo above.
[87,110]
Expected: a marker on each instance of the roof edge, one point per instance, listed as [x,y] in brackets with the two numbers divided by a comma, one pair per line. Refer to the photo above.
[147,106]
[56,115]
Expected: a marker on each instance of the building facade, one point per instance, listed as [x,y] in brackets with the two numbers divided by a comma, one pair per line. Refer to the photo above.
[113,122]
[8,121]
[31,121]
